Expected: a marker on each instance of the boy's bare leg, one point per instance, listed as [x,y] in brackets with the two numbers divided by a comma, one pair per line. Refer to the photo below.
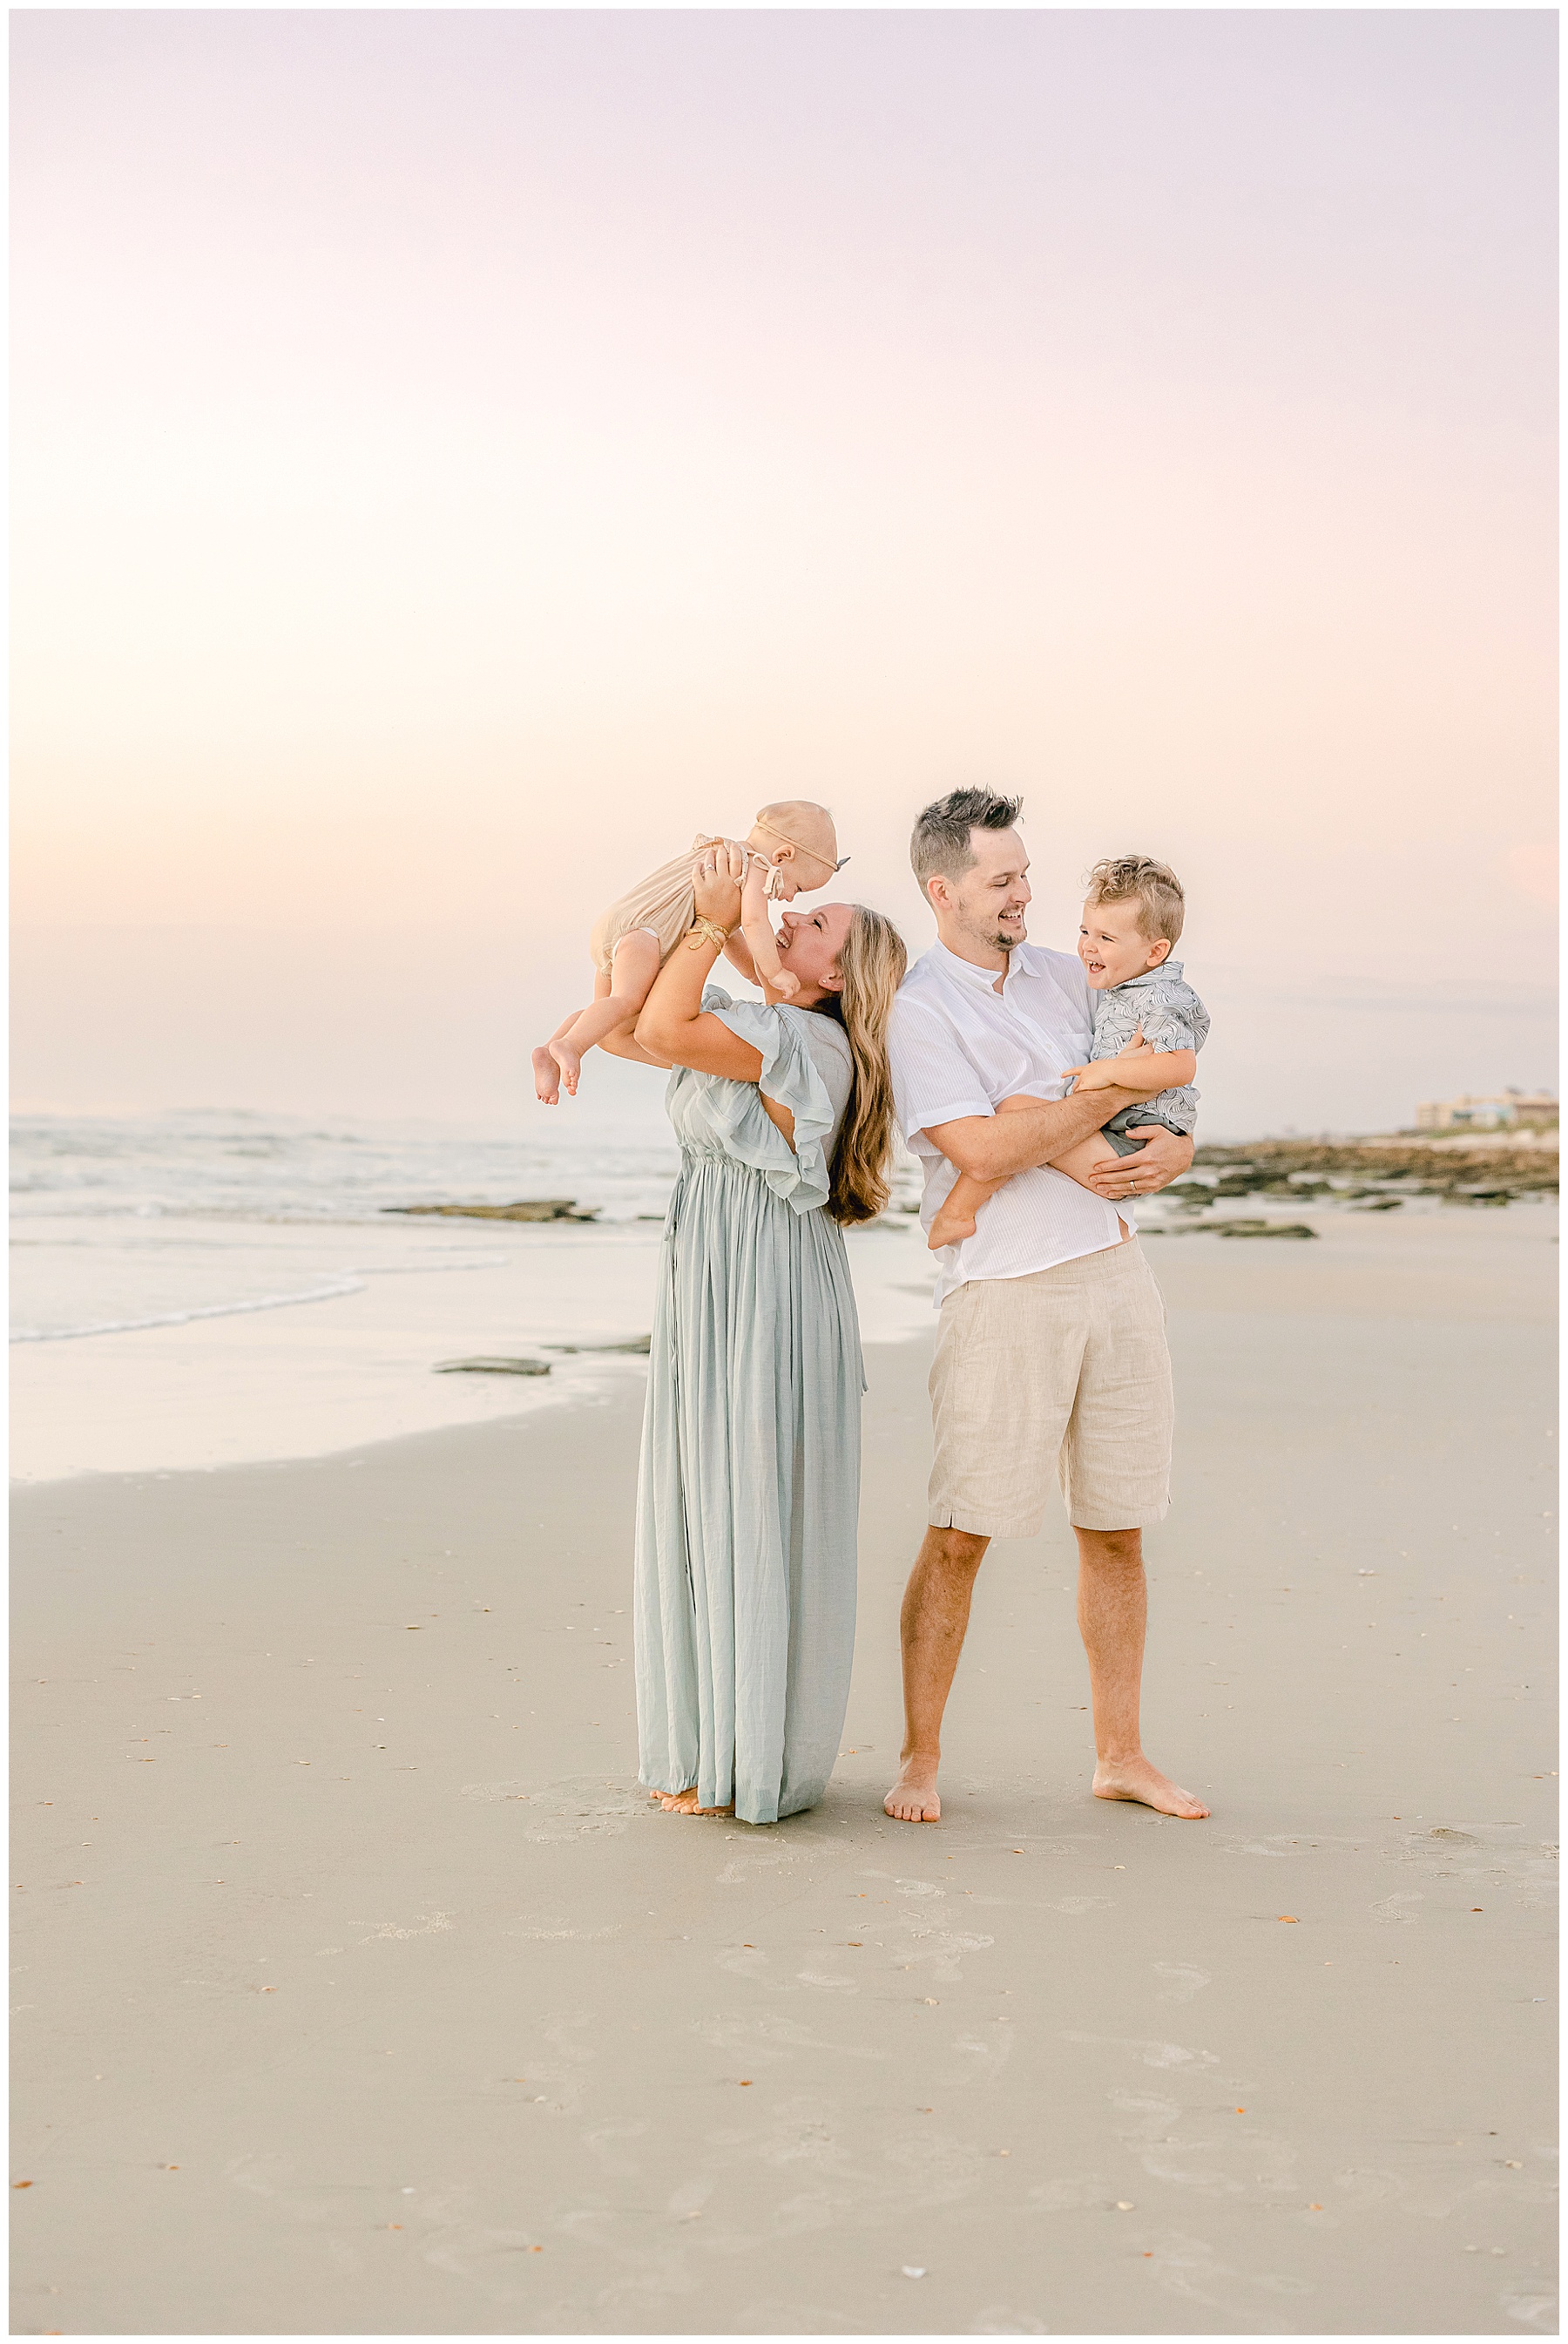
[932,1624]
[633,968]
[1112,1609]
[955,1214]
[1085,1157]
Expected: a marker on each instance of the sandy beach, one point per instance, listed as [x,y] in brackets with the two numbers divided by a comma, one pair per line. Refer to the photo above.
[1075,2068]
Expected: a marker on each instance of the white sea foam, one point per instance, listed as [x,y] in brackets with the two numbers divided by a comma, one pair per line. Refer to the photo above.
[187,1318]
[351,1283]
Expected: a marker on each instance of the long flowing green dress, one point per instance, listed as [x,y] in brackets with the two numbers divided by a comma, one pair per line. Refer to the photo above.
[750,1482]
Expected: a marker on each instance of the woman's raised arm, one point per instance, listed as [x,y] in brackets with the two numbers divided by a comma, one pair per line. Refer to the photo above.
[674,1028]
[619,1045]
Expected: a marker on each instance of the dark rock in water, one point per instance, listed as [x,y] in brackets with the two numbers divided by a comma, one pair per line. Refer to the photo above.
[1234,1229]
[497,1367]
[528,1208]
[1261,1229]
[1379,1204]
[639,1347]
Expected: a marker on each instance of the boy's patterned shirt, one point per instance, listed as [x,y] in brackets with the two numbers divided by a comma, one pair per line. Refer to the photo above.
[1161,1003]
[1172,1018]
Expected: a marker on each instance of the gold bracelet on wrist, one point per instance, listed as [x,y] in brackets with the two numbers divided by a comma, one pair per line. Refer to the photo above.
[707,932]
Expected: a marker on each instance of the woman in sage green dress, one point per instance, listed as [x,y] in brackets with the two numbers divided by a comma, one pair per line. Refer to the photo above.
[750,1482]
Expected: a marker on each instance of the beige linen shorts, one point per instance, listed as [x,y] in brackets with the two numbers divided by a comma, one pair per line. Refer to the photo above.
[1066,1369]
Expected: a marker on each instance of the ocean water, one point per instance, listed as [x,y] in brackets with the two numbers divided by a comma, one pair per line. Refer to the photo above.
[190,1290]
[121,1223]
[200,1288]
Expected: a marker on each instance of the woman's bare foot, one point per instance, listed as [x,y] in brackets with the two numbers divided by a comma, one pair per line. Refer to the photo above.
[546,1076]
[684,1803]
[949,1228]
[913,1797]
[570,1063]
[1135,1778]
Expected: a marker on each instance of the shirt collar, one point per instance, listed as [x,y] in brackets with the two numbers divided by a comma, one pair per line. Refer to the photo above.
[982,980]
[1166,968]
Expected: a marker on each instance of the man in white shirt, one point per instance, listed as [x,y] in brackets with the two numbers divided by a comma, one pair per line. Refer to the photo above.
[1052,1358]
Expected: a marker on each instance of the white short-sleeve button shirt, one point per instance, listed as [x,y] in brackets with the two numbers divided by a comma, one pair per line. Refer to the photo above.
[957,1046]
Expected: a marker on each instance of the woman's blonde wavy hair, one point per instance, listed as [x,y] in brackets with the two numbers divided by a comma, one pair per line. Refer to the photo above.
[872,964]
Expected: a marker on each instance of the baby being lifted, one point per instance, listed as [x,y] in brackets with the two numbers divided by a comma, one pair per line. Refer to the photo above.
[1148,1027]
[793,851]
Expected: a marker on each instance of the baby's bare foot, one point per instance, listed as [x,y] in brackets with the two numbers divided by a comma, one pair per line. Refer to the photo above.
[546,1076]
[1135,1778]
[913,1797]
[570,1063]
[949,1228]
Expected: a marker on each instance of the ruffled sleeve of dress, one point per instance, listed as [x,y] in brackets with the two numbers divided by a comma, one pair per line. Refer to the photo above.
[734,1116]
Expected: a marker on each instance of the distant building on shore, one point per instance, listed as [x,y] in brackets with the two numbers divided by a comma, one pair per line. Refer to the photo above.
[1534,1109]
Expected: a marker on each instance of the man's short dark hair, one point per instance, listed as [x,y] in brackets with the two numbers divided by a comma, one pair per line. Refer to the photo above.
[941,845]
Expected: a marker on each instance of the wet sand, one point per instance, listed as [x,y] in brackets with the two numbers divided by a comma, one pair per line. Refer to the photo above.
[1072,2068]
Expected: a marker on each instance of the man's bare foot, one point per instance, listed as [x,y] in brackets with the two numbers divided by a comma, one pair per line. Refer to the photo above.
[684,1803]
[949,1228]
[1135,1778]
[570,1063]
[546,1076]
[913,1797]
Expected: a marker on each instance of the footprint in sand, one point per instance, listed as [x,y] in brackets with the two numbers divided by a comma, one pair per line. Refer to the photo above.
[427,1924]
[1154,2055]
[734,1873]
[1068,2195]
[1181,1981]
[1370,2189]
[1538,2312]
[580,1809]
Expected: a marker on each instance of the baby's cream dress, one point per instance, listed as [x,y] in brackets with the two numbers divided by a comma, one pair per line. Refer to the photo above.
[663,903]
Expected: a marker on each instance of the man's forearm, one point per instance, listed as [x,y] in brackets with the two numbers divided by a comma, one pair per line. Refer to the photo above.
[993,1148]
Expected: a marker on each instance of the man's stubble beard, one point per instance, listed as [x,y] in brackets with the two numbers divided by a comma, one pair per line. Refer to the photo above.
[992,940]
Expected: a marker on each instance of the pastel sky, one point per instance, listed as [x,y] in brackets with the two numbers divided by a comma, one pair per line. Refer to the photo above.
[457,456]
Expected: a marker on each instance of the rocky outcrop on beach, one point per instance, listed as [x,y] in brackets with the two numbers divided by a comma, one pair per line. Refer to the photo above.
[1375,1172]
[1234,1228]
[515,1364]
[528,1208]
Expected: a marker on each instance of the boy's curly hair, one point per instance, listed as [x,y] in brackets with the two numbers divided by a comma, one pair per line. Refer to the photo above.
[1126,878]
